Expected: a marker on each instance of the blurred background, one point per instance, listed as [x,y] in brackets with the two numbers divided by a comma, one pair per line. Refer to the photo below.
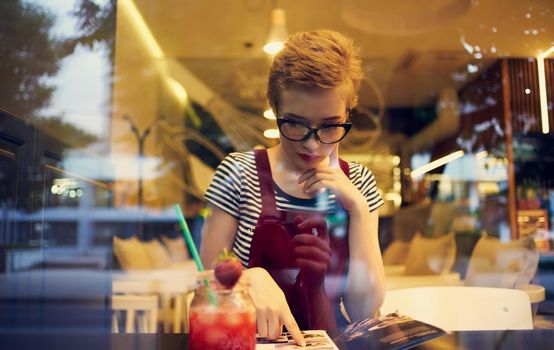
[112,111]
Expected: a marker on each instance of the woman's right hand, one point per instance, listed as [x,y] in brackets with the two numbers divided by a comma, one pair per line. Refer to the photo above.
[272,310]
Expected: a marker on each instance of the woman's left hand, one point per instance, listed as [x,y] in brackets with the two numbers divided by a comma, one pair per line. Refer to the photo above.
[332,177]
[311,250]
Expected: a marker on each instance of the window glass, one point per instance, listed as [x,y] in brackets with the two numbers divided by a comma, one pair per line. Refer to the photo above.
[112,112]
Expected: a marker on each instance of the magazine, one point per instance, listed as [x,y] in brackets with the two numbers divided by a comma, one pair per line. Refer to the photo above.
[388,332]
[315,340]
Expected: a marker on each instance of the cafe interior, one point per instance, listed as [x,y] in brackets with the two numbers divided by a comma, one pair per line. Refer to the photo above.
[112,112]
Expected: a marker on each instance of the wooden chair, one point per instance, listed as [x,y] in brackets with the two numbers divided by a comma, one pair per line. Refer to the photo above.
[463,308]
[170,293]
[187,302]
[139,310]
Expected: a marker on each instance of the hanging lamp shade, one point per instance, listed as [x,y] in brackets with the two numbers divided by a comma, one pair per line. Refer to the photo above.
[277,32]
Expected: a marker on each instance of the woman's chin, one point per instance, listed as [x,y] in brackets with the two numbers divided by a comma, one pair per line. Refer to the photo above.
[304,165]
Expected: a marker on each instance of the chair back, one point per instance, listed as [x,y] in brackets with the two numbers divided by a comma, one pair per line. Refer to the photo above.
[131,253]
[188,301]
[502,264]
[139,311]
[462,308]
[409,220]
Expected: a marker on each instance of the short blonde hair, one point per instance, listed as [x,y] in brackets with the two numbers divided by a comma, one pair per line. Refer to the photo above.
[321,58]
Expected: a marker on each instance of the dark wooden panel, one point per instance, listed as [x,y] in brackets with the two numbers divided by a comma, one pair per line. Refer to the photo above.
[482,112]
[507,88]
[524,96]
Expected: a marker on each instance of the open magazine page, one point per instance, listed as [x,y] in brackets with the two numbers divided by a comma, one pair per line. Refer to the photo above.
[315,340]
[388,332]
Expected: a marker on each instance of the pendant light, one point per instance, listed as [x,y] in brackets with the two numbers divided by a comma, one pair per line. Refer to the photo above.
[277,32]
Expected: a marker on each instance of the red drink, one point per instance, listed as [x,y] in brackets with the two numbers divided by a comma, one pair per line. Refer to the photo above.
[213,329]
[222,319]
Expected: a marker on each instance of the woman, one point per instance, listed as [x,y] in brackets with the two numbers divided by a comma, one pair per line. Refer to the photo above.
[274,207]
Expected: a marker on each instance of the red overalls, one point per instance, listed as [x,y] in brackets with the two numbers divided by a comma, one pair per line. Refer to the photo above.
[313,307]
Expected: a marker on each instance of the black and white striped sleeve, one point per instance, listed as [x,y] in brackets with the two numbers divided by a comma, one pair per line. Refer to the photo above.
[224,190]
[368,188]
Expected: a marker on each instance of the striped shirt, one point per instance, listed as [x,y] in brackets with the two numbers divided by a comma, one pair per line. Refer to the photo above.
[235,189]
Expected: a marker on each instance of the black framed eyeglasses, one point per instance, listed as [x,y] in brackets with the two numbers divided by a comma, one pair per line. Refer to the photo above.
[299,132]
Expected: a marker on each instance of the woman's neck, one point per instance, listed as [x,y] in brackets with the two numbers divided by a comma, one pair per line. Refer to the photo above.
[284,173]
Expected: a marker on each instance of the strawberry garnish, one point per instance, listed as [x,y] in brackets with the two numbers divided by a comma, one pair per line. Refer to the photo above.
[228,269]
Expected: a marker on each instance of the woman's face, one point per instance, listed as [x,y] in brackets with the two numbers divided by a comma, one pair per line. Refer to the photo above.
[315,107]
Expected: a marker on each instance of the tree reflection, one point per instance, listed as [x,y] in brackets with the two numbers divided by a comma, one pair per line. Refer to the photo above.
[96,25]
[29,54]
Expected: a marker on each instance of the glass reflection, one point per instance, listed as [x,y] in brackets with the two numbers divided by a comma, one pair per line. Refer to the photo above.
[113,111]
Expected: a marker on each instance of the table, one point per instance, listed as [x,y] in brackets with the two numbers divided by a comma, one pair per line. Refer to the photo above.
[171,285]
[528,339]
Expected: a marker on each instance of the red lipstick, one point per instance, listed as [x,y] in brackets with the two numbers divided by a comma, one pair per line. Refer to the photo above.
[308,157]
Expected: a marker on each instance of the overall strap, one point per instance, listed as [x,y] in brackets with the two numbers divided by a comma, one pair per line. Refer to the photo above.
[345,167]
[269,205]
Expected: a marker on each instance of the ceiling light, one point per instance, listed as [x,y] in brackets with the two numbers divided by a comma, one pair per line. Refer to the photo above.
[542,89]
[178,90]
[268,113]
[129,8]
[472,68]
[437,163]
[277,33]
[271,133]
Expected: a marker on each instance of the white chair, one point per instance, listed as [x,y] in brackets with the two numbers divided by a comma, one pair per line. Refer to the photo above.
[462,308]
[138,309]
[188,301]
[512,264]
[493,264]
[169,285]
